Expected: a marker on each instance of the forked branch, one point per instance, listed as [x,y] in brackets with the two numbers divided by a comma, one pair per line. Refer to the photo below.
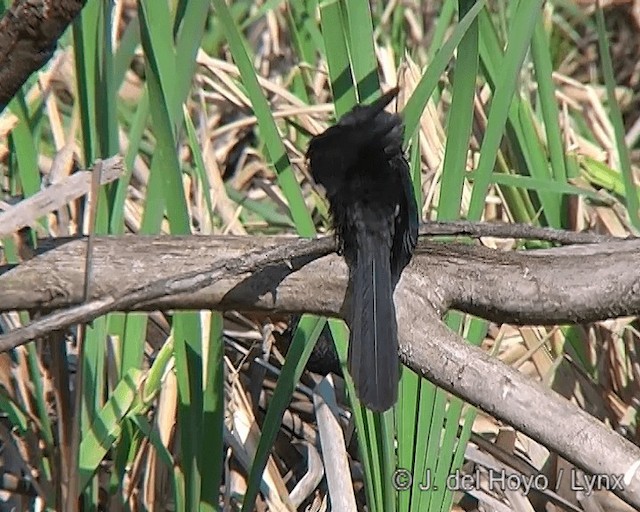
[581,284]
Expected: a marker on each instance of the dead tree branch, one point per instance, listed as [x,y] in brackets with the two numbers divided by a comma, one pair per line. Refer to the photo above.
[581,284]
[502,230]
[291,257]
[56,196]
[29,32]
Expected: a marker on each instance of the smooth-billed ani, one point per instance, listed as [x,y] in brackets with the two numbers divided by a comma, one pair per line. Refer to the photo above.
[360,163]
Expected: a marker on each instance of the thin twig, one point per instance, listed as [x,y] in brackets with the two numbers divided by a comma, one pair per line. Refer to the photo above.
[522,231]
[93,210]
[55,196]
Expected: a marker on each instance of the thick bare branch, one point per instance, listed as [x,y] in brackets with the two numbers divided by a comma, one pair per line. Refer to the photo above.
[569,284]
[584,283]
[55,278]
[432,350]
[574,284]
[282,260]
[29,31]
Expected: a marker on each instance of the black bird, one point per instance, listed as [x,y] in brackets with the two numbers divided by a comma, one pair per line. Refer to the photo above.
[360,163]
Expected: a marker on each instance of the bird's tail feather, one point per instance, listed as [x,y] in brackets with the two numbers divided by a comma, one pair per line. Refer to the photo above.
[373,343]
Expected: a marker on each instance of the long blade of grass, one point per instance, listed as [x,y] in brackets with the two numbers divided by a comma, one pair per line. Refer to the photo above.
[420,97]
[98,438]
[213,414]
[85,28]
[460,121]
[336,46]
[107,88]
[188,360]
[445,17]
[188,41]
[527,182]
[444,464]
[304,339]
[520,36]
[389,459]
[430,422]
[541,55]
[527,154]
[142,423]
[161,60]
[24,145]
[200,168]
[136,131]
[363,56]
[406,425]
[268,129]
[458,457]
[631,194]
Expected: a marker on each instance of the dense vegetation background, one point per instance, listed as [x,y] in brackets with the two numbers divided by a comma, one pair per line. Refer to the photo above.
[519,111]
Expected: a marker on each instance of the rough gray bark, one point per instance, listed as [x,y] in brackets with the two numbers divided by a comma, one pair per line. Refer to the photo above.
[29,32]
[570,284]
[582,284]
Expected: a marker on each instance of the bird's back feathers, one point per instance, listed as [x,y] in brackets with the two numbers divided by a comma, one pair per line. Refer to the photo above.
[360,164]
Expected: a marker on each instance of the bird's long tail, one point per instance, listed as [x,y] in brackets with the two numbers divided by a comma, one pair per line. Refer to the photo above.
[373,342]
